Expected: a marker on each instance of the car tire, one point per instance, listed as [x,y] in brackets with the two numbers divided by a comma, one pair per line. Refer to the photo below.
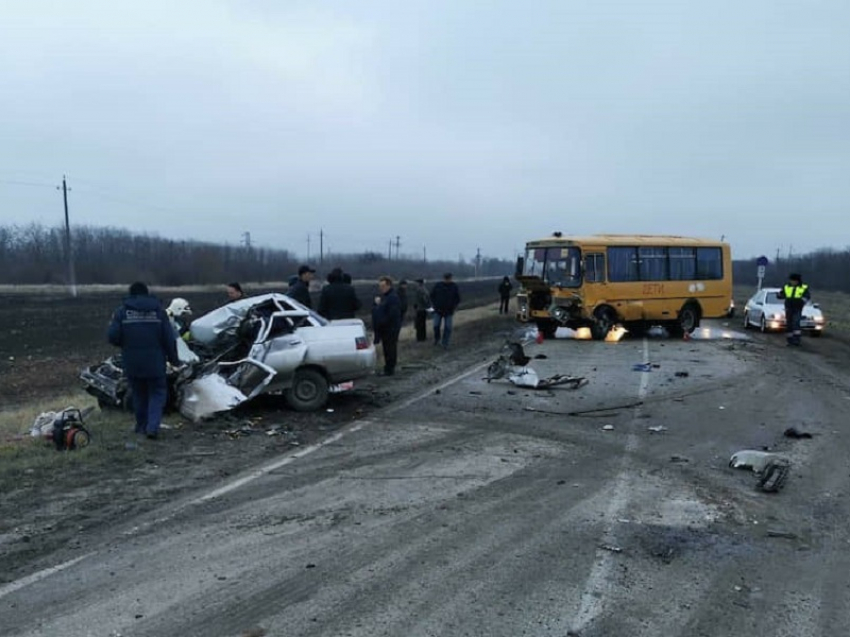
[309,390]
[746,320]
[763,324]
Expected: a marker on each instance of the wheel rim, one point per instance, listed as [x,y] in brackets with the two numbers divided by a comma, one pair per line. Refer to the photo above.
[306,390]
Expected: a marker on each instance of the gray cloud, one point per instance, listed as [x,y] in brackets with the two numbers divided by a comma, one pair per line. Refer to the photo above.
[455,125]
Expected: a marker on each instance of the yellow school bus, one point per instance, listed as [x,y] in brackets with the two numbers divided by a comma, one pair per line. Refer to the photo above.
[603,280]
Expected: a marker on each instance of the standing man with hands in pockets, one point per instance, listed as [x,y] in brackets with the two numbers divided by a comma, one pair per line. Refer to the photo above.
[445,297]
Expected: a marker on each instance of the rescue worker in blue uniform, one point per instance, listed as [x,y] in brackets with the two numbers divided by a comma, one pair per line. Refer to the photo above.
[796,295]
[141,328]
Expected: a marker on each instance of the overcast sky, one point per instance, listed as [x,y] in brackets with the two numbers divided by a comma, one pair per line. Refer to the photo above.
[453,124]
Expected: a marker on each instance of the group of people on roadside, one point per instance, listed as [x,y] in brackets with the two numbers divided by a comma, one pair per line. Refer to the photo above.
[147,333]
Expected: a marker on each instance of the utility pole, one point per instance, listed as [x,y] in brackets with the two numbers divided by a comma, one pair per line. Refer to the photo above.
[321,246]
[390,251]
[308,247]
[397,246]
[477,263]
[424,255]
[72,277]
[246,239]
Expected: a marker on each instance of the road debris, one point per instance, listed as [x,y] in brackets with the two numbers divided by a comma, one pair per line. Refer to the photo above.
[608,428]
[772,470]
[793,432]
[657,429]
[642,367]
[782,534]
[613,549]
[512,364]
[682,374]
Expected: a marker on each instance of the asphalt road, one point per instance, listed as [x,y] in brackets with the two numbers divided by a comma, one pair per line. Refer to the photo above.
[484,509]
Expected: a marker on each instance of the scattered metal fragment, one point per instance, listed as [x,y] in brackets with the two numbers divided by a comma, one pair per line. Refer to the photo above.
[793,432]
[783,534]
[608,428]
[613,549]
[657,429]
[772,470]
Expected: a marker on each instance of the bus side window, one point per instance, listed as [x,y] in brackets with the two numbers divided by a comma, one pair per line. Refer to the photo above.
[594,268]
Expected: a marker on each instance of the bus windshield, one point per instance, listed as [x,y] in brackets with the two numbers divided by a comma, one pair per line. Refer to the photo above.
[559,267]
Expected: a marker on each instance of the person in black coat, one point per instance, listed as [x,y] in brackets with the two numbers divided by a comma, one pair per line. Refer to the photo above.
[505,288]
[386,322]
[338,299]
[445,297]
[402,297]
[140,327]
[300,290]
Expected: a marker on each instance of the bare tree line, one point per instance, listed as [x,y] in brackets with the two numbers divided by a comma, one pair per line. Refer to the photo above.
[825,269]
[35,254]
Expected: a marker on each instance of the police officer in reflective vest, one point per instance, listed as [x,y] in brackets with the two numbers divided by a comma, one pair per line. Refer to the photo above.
[796,294]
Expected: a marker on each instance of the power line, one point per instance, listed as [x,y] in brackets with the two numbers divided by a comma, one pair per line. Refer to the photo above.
[34,184]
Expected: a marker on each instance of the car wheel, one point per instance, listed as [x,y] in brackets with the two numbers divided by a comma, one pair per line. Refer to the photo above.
[746,320]
[309,390]
[763,324]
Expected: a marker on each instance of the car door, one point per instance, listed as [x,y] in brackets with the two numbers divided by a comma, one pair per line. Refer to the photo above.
[757,309]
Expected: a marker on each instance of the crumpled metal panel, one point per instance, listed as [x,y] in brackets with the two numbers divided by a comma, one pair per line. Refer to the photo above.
[208,395]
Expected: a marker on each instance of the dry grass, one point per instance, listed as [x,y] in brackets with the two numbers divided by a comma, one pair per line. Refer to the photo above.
[19,451]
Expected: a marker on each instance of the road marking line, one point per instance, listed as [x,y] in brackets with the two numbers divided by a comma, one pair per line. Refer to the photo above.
[593,597]
[16,585]
[11,587]
[277,464]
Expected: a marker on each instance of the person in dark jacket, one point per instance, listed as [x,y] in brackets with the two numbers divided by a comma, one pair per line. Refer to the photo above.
[234,292]
[386,322]
[338,299]
[796,295]
[421,304]
[140,327]
[505,288]
[445,297]
[300,291]
[402,297]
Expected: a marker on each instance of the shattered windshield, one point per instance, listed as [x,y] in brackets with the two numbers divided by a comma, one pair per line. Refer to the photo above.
[559,267]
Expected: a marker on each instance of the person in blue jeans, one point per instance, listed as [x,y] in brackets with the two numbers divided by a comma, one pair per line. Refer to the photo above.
[140,327]
[445,297]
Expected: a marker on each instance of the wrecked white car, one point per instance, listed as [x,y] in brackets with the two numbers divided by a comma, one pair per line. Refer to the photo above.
[257,345]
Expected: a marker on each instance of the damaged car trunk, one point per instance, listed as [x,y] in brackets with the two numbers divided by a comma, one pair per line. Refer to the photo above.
[258,345]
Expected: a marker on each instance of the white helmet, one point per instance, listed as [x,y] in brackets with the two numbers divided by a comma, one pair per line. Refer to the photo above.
[179,307]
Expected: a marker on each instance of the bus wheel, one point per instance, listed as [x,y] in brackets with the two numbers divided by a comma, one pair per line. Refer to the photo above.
[547,329]
[689,318]
[602,324]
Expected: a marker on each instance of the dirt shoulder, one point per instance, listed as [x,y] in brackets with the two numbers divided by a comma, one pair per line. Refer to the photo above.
[56,501]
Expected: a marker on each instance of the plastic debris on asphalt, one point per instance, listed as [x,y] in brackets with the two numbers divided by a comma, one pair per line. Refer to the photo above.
[772,469]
